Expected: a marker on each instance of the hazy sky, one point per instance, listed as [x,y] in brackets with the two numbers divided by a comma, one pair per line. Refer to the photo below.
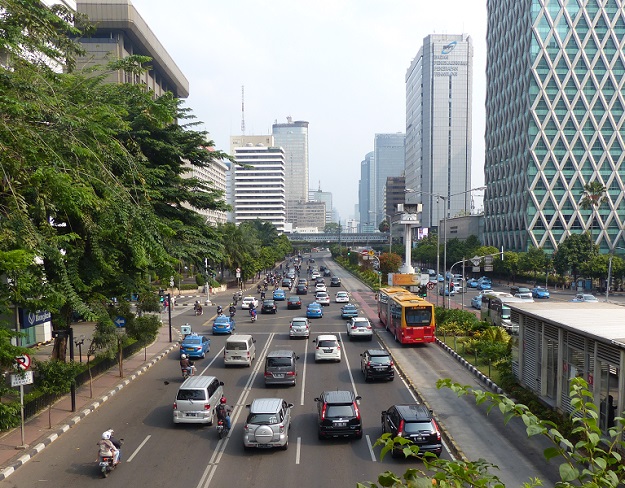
[338,64]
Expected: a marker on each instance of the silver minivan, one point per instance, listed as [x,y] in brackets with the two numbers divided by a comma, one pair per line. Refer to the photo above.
[196,400]
[281,368]
[240,349]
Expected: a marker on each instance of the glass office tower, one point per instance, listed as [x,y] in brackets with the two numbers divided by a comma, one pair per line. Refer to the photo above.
[555,107]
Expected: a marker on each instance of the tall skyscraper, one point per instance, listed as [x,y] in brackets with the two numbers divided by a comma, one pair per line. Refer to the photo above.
[259,181]
[364,192]
[293,138]
[326,198]
[554,121]
[438,126]
[389,160]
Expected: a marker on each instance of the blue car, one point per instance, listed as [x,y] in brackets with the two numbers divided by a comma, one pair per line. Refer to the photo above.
[348,311]
[223,325]
[484,284]
[476,301]
[540,292]
[279,295]
[195,346]
[472,283]
[314,310]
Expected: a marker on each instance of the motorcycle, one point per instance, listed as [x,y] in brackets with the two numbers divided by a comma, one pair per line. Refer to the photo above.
[222,429]
[190,371]
[106,460]
[220,310]
[253,315]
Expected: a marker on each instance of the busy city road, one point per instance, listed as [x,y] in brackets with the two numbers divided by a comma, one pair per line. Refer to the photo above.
[158,453]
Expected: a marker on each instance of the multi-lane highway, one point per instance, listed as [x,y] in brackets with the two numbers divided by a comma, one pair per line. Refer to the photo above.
[158,453]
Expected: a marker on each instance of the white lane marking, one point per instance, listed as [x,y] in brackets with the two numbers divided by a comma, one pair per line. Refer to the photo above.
[138,448]
[414,397]
[349,368]
[303,382]
[218,355]
[298,450]
[213,463]
[371,448]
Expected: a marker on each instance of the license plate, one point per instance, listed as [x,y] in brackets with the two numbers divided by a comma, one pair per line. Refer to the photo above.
[418,438]
[278,375]
[380,368]
[191,414]
[340,424]
[327,351]
[236,357]
[104,463]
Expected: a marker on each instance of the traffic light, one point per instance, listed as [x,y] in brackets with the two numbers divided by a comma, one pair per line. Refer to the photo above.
[423,291]
[349,251]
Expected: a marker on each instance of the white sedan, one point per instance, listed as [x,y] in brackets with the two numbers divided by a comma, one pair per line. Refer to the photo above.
[247,301]
[359,327]
[320,287]
[322,298]
[341,297]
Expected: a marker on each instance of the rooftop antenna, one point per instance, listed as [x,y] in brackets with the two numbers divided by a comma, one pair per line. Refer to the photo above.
[319,185]
[243,109]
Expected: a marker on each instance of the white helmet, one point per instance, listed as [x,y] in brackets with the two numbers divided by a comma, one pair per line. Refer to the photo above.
[183,356]
[106,435]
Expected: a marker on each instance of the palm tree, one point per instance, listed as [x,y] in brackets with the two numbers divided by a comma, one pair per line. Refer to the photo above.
[592,197]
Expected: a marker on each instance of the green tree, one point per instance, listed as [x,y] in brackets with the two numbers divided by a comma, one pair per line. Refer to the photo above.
[534,261]
[592,197]
[55,378]
[512,263]
[144,330]
[575,250]
[426,251]
[331,228]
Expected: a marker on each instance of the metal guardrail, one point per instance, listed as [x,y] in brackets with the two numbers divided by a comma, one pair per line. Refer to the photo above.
[346,239]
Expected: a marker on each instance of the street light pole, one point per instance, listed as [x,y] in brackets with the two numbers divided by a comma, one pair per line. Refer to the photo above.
[607,285]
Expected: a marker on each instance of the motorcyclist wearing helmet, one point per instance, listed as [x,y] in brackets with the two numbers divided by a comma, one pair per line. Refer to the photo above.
[232,310]
[106,447]
[223,411]
[186,365]
[219,310]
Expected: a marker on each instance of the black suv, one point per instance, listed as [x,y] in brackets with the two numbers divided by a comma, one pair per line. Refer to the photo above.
[377,363]
[269,306]
[335,281]
[414,422]
[339,415]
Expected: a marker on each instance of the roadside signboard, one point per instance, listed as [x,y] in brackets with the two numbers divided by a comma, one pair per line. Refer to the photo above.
[120,322]
[25,378]
[400,279]
[22,362]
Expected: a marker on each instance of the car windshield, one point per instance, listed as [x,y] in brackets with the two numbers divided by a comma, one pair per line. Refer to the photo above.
[416,427]
[328,343]
[262,419]
[416,317]
[337,411]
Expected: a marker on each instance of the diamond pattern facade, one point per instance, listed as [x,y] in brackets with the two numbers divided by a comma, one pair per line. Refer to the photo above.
[555,121]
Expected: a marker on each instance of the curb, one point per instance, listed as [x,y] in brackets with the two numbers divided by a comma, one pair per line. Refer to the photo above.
[9,470]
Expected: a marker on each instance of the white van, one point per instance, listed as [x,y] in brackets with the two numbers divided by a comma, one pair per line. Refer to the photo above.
[196,400]
[240,349]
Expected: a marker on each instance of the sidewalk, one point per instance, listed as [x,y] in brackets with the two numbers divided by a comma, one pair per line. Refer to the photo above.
[37,435]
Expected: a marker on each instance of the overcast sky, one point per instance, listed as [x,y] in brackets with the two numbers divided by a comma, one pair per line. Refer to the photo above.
[338,64]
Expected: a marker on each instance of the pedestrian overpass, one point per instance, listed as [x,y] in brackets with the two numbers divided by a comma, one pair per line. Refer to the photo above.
[344,238]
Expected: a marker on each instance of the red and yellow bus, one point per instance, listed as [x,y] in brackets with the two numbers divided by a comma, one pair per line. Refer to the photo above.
[408,317]
[383,298]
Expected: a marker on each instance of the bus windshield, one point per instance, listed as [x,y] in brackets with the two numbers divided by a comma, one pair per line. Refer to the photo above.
[418,316]
[505,312]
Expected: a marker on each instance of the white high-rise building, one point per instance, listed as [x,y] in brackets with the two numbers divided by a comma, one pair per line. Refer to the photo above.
[293,138]
[438,126]
[258,181]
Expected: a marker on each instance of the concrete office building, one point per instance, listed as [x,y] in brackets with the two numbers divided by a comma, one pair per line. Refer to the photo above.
[307,214]
[325,197]
[389,160]
[293,138]
[554,122]
[120,32]
[259,189]
[217,174]
[394,194]
[364,193]
[438,126]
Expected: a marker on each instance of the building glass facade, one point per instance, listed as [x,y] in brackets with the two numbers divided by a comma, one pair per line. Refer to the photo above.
[554,121]
[293,138]
[438,126]
[389,160]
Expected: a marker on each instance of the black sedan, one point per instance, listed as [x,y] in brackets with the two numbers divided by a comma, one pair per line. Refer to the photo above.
[269,306]
[294,302]
[301,290]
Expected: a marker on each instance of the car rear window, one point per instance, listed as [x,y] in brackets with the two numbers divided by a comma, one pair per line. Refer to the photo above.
[299,323]
[192,341]
[262,418]
[380,359]
[416,427]
[236,346]
[328,343]
[278,362]
[335,411]
[361,323]
[198,395]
